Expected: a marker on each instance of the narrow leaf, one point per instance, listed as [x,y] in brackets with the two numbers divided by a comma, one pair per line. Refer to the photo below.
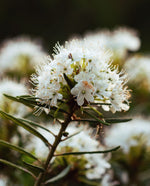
[87,152]
[25,126]
[100,103]
[32,103]
[70,136]
[68,80]
[117,120]
[16,148]
[35,124]
[59,176]
[34,168]
[18,167]
[99,113]
[96,118]
[21,100]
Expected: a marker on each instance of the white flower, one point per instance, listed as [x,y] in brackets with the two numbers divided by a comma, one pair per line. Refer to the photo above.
[126,38]
[119,98]
[119,40]
[129,134]
[47,84]
[12,88]
[20,54]
[88,67]
[83,90]
[138,68]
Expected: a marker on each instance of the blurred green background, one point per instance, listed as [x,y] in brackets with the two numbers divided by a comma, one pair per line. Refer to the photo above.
[57,20]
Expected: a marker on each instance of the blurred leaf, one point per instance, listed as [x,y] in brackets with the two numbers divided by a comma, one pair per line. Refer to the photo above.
[87,152]
[18,167]
[96,118]
[25,126]
[16,148]
[60,175]
[88,182]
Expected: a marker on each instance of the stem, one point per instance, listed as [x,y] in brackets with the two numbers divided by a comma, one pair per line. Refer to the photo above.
[56,143]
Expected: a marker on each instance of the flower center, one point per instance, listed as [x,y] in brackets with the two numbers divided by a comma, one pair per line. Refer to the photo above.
[83,91]
[87,85]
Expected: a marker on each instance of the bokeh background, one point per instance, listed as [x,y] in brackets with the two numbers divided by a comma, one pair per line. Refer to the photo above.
[57,20]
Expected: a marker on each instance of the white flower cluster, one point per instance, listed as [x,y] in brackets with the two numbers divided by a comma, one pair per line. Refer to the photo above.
[14,89]
[89,68]
[129,134]
[20,54]
[119,40]
[138,68]
[96,163]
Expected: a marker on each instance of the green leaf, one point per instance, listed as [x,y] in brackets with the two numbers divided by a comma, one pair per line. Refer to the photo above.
[97,104]
[31,102]
[16,148]
[96,118]
[117,120]
[60,175]
[25,126]
[60,110]
[26,102]
[88,152]
[33,168]
[18,167]
[71,136]
[96,111]
[35,124]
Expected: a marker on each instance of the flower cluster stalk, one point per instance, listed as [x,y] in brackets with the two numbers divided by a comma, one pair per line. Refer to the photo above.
[64,125]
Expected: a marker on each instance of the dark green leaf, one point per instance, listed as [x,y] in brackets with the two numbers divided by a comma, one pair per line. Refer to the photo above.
[96,118]
[33,168]
[117,120]
[60,110]
[71,136]
[100,104]
[87,152]
[21,100]
[16,148]
[25,126]
[59,176]
[69,81]
[32,103]
[35,124]
[18,167]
